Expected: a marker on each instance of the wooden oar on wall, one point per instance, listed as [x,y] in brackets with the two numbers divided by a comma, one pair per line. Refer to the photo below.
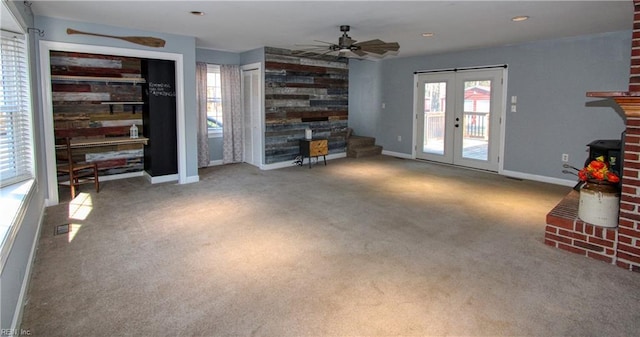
[141,40]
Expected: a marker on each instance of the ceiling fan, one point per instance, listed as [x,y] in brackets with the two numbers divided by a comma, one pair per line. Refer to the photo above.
[348,47]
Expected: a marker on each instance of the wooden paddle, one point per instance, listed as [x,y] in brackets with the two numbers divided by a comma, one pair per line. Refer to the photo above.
[142,40]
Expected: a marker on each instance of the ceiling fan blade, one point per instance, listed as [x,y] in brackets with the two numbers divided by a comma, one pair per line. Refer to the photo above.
[315,54]
[392,46]
[378,46]
[327,53]
[379,49]
[315,49]
[311,45]
[371,42]
[324,42]
[359,52]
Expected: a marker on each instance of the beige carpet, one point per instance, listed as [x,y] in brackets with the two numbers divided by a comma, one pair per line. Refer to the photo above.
[361,247]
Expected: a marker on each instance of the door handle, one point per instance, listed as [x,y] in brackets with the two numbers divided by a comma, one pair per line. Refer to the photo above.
[457,119]
[457,125]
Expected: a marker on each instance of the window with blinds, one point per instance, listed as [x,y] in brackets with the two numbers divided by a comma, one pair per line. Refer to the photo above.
[16,155]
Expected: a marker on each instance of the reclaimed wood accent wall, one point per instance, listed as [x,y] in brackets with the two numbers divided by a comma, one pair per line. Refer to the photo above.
[79,102]
[303,92]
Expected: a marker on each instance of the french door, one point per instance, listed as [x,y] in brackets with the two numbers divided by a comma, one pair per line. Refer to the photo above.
[458,115]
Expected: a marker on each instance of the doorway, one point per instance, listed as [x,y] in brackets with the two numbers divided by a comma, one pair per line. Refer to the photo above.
[47,104]
[252,113]
[458,116]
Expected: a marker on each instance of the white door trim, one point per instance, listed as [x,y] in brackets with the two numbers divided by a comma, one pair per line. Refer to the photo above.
[47,103]
[503,116]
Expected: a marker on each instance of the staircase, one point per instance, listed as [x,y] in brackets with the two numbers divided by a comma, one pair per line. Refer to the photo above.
[360,146]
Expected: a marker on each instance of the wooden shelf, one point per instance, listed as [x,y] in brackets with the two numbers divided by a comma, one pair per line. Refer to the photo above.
[133,80]
[613,94]
[629,101]
[106,141]
[116,103]
[112,103]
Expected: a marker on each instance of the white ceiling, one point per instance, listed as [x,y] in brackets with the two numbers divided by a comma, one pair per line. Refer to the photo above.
[238,26]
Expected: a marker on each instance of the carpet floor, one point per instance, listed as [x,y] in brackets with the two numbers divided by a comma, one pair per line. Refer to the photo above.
[361,247]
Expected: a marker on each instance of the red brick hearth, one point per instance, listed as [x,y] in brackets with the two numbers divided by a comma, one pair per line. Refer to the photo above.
[620,245]
[566,231]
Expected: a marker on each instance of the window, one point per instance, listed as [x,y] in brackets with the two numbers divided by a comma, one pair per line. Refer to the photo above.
[214,101]
[16,158]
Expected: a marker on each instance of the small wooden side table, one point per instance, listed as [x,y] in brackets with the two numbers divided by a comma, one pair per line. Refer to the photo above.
[314,148]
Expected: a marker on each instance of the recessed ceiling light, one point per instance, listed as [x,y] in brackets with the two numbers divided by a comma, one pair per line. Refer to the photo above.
[519,18]
[198,13]
[427,34]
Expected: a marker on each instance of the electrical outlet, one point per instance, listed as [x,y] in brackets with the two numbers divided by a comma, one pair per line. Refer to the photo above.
[399,138]
[565,157]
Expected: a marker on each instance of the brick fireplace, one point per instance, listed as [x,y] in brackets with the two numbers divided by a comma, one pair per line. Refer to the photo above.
[620,245]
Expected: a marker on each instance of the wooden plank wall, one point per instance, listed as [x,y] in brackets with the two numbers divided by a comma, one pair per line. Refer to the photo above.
[303,92]
[77,104]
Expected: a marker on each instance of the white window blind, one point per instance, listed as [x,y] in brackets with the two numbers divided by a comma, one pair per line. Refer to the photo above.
[16,158]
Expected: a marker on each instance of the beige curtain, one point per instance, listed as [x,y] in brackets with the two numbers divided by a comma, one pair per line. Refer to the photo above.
[231,114]
[203,130]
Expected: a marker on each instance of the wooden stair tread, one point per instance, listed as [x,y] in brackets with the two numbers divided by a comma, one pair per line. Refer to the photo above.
[362,146]
[367,147]
[365,151]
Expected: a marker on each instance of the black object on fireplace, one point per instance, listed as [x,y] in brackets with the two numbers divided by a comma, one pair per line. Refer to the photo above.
[610,149]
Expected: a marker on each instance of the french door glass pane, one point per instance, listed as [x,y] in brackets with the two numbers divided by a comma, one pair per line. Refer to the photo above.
[434,117]
[475,124]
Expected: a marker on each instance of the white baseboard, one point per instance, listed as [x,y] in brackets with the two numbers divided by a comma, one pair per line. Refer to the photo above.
[290,163]
[160,179]
[535,177]
[397,154]
[170,177]
[215,162]
[506,173]
[122,176]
